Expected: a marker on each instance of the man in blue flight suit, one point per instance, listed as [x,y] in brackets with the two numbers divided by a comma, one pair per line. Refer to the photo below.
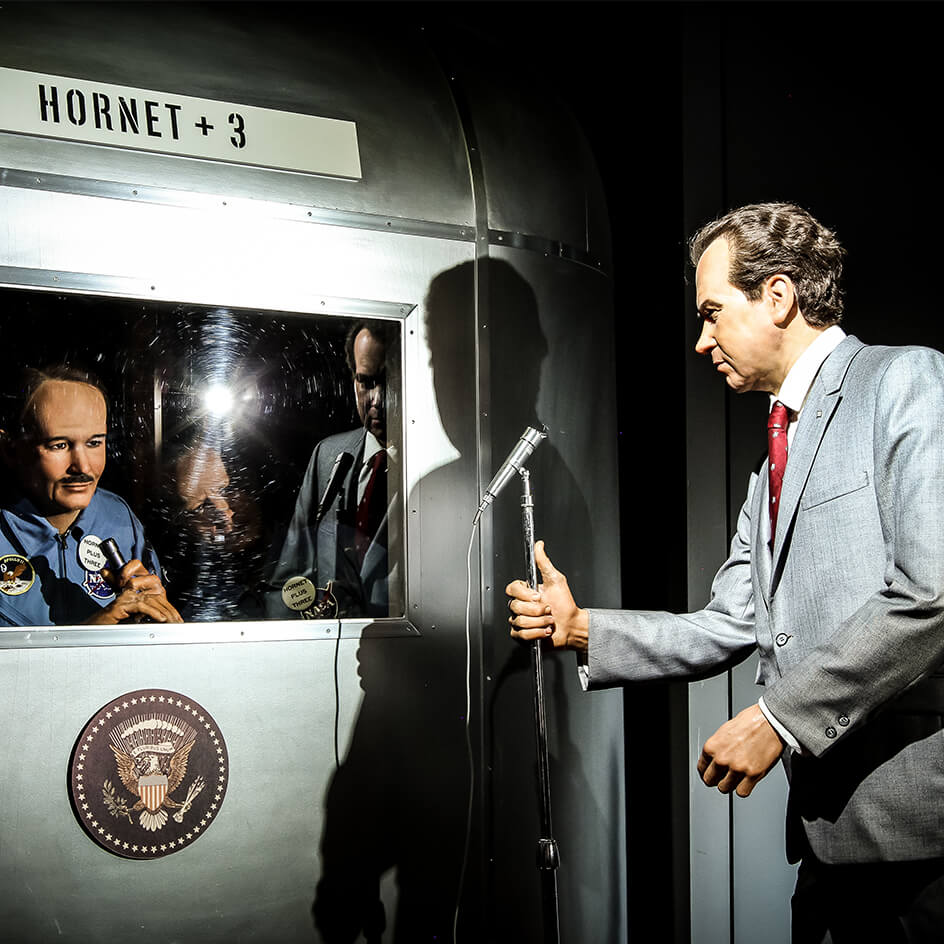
[54,516]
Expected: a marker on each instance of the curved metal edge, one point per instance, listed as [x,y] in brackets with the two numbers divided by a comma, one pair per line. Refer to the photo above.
[546,247]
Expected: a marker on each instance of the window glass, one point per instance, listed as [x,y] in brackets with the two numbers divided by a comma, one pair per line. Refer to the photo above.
[259,451]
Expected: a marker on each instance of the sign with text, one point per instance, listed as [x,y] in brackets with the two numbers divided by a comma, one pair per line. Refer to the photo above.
[143,120]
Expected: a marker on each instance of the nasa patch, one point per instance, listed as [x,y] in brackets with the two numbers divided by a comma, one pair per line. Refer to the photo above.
[148,774]
[97,587]
[16,575]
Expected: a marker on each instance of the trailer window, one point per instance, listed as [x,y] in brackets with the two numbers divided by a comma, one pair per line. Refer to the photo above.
[260,450]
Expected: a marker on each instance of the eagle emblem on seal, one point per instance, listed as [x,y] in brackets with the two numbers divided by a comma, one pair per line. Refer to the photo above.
[151,754]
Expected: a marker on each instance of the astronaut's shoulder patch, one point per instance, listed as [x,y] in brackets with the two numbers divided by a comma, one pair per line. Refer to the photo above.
[16,574]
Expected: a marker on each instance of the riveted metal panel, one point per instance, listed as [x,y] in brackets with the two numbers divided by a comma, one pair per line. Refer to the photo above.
[298,830]
[302,59]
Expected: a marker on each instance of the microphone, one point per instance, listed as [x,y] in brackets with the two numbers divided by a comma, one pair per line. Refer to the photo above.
[530,439]
[342,465]
[116,560]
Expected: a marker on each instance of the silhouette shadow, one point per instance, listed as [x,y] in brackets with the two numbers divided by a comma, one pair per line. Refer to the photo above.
[518,352]
[400,798]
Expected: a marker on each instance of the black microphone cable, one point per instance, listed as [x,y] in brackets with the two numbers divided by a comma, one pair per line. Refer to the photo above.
[337,698]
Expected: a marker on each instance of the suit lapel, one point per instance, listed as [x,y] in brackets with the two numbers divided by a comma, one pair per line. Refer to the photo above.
[353,477]
[821,402]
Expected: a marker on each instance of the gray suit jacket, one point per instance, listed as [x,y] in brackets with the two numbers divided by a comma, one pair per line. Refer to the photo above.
[326,553]
[847,616]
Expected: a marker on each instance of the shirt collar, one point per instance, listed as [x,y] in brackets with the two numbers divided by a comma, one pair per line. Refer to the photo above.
[799,379]
[372,447]
[32,527]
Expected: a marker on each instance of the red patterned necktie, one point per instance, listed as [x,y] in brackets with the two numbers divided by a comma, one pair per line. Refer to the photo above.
[371,506]
[777,459]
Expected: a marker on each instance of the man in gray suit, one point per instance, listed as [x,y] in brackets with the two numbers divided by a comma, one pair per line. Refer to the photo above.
[838,582]
[346,522]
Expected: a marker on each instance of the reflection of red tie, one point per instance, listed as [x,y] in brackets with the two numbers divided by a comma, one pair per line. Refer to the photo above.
[370,508]
[777,459]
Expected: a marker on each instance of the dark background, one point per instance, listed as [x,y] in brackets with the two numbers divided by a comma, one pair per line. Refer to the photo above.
[693,108]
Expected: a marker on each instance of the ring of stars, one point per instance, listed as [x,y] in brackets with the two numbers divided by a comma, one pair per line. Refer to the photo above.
[100,822]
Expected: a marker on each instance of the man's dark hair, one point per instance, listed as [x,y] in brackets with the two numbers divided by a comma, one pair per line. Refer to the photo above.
[377,328]
[18,407]
[766,239]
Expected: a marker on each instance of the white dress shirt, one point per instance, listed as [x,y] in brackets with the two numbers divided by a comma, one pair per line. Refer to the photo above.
[792,394]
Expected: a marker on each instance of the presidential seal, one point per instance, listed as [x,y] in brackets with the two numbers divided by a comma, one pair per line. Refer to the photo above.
[148,774]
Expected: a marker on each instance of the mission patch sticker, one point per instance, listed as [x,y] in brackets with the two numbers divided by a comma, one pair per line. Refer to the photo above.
[16,575]
[148,774]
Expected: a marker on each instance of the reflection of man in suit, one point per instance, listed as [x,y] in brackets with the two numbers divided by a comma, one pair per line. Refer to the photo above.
[839,585]
[345,517]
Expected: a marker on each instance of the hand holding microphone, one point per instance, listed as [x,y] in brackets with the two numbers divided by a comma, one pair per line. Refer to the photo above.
[140,594]
[548,611]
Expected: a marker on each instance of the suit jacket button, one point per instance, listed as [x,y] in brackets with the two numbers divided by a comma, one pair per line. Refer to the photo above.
[830,732]
[843,720]
[782,639]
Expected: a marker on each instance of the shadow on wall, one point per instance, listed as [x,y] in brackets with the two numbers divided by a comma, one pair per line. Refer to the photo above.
[399,801]
[518,351]
[400,798]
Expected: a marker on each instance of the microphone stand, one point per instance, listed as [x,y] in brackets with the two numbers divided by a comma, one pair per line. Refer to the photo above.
[548,858]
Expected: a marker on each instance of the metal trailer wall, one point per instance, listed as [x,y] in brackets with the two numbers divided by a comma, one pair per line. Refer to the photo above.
[479,224]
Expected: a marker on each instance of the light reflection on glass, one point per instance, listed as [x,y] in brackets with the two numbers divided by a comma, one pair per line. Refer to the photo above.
[214,415]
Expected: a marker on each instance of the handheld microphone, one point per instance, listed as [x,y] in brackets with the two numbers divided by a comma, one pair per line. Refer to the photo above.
[116,560]
[530,439]
[342,465]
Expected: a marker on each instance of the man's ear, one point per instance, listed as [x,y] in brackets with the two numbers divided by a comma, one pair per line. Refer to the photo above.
[781,294]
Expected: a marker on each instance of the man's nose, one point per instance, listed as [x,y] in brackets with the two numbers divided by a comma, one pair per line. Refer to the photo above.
[80,460]
[706,340]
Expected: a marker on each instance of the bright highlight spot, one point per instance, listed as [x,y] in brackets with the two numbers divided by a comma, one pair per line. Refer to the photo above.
[218,399]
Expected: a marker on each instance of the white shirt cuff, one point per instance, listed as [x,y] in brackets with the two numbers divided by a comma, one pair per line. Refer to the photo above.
[583,670]
[790,740]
